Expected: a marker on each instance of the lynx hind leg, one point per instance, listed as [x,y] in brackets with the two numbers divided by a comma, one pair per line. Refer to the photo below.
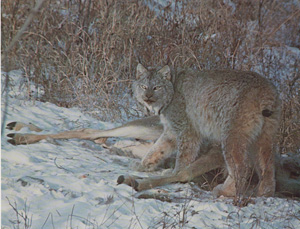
[264,158]
[161,150]
[237,167]
[235,147]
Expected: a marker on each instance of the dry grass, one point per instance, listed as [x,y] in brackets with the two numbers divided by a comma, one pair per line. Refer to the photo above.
[84,53]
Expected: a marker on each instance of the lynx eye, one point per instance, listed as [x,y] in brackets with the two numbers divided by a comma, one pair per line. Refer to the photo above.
[144,87]
[156,88]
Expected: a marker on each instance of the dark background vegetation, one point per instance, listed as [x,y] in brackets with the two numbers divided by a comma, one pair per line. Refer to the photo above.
[84,52]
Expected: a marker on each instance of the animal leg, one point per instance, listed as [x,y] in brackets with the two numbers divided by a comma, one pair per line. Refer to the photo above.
[238,166]
[205,163]
[16,126]
[161,150]
[265,160]
[25,139]
[144,129]
[188,148]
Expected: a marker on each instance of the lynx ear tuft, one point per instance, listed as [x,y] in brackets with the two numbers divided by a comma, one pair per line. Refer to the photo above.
[140,70]
[165,72]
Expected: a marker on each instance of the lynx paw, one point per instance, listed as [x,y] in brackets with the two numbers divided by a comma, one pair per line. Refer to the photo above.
[150,164]
[266,190]
[222,190]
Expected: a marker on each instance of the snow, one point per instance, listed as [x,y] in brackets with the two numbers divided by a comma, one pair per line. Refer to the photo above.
[72,183]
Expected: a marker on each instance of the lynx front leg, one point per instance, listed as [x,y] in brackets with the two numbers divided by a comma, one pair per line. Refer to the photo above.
[188,147]
[161,150]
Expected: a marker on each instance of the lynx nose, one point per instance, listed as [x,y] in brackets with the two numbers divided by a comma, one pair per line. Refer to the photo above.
[148,94]
[148,98]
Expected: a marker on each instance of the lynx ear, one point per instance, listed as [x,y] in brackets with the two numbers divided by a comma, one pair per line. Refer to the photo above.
[140,70]
[165,72]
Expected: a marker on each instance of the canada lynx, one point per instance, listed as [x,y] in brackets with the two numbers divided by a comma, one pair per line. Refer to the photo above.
[240,110]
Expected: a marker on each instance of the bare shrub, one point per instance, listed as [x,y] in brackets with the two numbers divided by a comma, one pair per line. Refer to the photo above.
[84,53]
[22,215]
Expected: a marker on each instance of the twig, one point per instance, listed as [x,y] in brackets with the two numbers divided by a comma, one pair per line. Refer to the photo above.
[49,215]
[34,11]
[60,167]
[281,24]
[27,220]
[72,216]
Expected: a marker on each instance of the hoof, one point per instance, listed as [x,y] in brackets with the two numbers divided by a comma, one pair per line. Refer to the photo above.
[11,125]
[12,140]
[130,181]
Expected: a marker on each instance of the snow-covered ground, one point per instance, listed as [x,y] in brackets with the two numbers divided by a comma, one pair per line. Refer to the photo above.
[73,184]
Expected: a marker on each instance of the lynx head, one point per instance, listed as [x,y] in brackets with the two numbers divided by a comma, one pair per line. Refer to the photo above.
[153,89]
